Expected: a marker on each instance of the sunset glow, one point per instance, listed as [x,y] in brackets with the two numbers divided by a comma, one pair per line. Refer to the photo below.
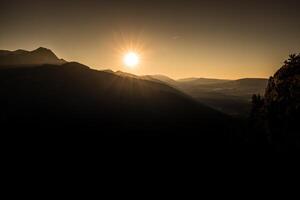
[131,59]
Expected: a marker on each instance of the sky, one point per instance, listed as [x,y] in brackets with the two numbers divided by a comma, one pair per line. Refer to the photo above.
[185,38]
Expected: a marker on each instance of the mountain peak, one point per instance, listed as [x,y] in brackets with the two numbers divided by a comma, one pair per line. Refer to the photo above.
[42,49]
[38,56]
[20,51]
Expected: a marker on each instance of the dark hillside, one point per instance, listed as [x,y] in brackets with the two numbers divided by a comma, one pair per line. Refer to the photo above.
[73,97]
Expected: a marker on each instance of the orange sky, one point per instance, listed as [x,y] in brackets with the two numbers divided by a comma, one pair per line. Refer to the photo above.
[231,40]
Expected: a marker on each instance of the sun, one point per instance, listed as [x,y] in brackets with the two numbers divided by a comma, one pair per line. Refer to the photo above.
[131,59]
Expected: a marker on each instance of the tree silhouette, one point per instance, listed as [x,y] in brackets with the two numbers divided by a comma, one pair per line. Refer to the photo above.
[278,114]
[293,59]
[256,120]
[257,103]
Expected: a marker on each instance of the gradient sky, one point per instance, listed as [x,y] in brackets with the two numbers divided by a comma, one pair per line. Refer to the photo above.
[222,39]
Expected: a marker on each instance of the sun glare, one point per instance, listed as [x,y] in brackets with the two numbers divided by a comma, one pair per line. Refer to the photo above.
[131,59]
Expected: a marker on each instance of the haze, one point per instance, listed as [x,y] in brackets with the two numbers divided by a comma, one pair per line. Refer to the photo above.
[220,39]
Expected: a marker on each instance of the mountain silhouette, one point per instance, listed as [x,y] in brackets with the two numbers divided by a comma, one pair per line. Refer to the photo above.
[232,97]
[200,81]
[76,99]
[162,79]
[20,58]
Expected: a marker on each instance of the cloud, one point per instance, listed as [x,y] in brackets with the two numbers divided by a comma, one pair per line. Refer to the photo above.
[176,37]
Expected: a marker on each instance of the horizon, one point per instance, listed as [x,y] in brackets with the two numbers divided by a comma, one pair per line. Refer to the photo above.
[180,39]
[124,71]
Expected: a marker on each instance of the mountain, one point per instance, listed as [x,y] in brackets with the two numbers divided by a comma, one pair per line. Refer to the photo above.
[74,99]
[278,113]
[232,97]
[200,81]
[161,78]
[243,88]
[21,57]
[154,78]
[125,74]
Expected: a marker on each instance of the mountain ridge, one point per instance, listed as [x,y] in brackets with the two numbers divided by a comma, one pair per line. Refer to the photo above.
[21,57]
[75,97]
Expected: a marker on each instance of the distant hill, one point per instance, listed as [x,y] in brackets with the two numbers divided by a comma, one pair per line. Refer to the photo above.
[200,81]
[232,97]
[76,99]
[240,87]
[161,78]
[229,96]
[125,74]
[22,58]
